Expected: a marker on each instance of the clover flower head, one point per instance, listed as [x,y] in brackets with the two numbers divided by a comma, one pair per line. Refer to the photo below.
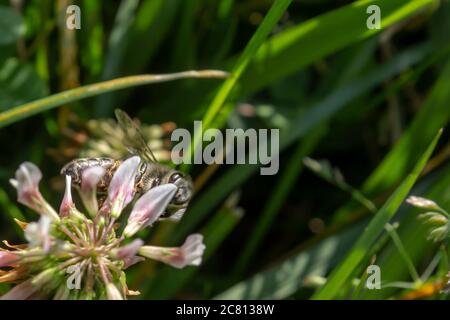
[72,255]
[437,219]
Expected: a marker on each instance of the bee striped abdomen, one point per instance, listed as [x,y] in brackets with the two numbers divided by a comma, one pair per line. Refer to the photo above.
[76,167]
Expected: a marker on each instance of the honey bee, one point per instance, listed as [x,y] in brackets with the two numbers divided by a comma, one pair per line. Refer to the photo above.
[150,173]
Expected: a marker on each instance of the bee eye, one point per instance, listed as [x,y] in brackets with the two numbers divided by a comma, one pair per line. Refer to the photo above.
[174,177]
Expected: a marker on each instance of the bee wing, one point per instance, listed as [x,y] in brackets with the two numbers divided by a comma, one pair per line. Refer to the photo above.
[134,139]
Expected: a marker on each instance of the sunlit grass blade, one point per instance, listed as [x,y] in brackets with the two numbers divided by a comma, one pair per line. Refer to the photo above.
[269,22]
[309,41]
[376,226]
[32,108]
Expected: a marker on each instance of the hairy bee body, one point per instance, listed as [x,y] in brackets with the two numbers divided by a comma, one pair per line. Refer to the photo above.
[149,175]
[150,172]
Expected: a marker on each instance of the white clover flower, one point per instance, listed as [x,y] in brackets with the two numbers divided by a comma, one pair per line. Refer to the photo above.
[87,247]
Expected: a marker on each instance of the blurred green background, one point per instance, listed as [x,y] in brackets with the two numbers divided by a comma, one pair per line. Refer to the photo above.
[367,100]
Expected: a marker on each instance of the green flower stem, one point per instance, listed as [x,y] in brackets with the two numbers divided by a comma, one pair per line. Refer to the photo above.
[403,253]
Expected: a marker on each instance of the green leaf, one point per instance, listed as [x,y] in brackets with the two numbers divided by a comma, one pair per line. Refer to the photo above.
[376,226]
[11,25]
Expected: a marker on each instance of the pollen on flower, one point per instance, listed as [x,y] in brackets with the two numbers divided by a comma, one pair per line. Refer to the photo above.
[84,256]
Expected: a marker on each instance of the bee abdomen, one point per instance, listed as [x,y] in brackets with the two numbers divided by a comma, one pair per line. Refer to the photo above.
[76,167]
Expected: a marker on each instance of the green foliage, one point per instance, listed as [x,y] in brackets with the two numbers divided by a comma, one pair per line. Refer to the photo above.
[366,101]
[376,226]
[11,26]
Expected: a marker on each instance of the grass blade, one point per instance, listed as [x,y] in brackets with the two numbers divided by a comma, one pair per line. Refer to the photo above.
[314,39]
[376,226]
[272,17]
[286,278]
[415,138]
[32,108]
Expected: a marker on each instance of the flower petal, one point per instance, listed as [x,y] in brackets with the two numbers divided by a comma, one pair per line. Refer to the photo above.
[189,254]
[88,191]
[149,207]
[128,253]
[21,291]
[27,184]
[121,188]
[38,233]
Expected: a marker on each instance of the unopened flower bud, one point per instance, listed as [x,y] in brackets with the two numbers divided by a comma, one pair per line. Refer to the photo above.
[67,204]
[424,203]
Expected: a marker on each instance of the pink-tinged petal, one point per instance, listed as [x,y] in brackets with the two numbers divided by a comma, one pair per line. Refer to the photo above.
[88,190]
[149,208]
[21,291]
[8,258]
[27,184]
[112,292]
[121,188]
[189,254]
[67,204]
[128,252]
[132,261]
